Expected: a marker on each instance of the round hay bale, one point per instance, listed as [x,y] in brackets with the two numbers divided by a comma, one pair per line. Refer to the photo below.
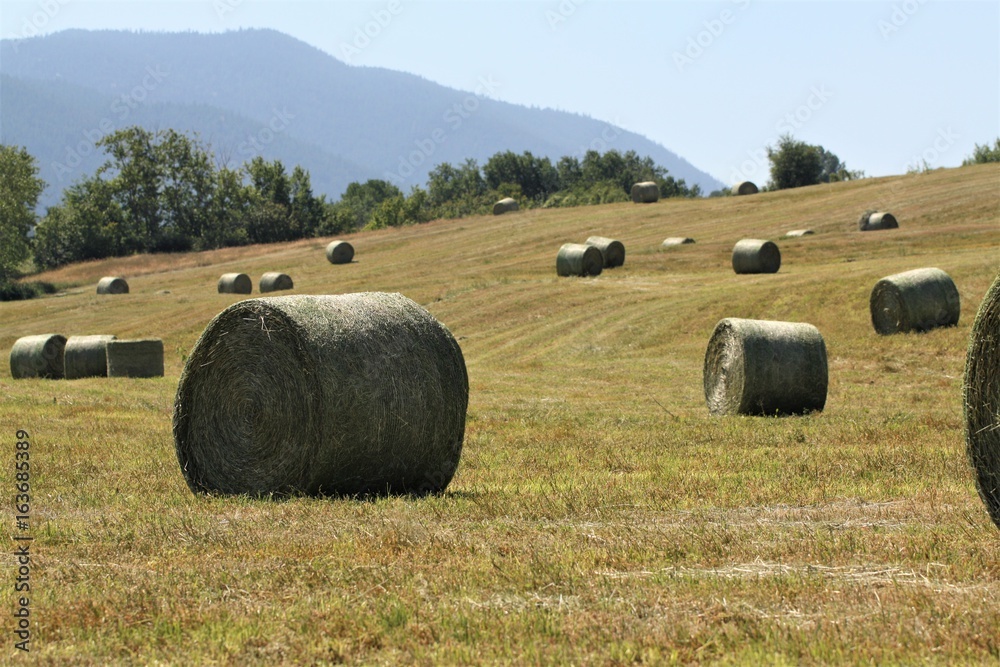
[745,188]
[141,358]
[795,233]
[759,367]
[756,256]
[674,241]
[646,192]
[39,356]
[347,394]
[916,300]
[112,285]
[613,251]
[505,205]
[981,398]
[340,252]
[87,356]
[579,259]
[273,281]
[235,283]
[875,220]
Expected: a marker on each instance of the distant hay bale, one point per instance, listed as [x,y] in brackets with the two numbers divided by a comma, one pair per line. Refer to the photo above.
[756,256]
[875,220]
[981,398]
[87,356]
[112,285]
[338,395]
[235,283]
[795,233]
[613,251]
[745,188]
[505,205]
[916,300]
[579,259]
[646,192]
[759,367]
[339,252]
[142,358]
[674,241]
[39,356]
[273,281]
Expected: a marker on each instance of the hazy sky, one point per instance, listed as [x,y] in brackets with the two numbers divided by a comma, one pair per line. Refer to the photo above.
[884,85]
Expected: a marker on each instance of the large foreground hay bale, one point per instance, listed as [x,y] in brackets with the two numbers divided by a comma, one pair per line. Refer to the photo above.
[745,188]
[347,394]
[675,241]
[613,251]
[87,356]
[579,259]
[875,220]
[981,394]
[39,356]
[339,252]
[916,300]
[112,285]
[273,281]
[758,367]
[142,358]
[756,256]
[505,205]
[235,283]
[646,192]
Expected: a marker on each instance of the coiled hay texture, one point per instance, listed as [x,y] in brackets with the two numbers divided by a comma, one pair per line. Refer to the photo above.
[756,256]
[87,356]
[505,205]
[39,356]
[916,300]
[675,241]
[759,367]
[142,358]
[613,251]
[112,285]
[235,283]
[578,259]
[795,233]
[339,252]
[745,188]
[646,192]
[981,394]
[275,282]
[347,394]
[875,220]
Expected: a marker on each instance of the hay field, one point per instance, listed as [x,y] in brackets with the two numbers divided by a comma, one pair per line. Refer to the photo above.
[599,515]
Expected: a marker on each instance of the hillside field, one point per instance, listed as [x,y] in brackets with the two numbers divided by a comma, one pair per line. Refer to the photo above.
[599,514]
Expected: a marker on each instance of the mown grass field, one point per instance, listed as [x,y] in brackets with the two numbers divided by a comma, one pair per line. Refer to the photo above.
[599,514]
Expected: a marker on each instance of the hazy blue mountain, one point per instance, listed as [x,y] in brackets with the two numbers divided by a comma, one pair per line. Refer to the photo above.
[261,92]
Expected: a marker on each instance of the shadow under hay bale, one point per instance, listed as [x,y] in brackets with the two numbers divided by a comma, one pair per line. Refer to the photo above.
[917,300]
[39,356]
[796,233]
[874,220]
[756,256]
[759,367]
[981,398]
[338,395]
[505,205]
[646,192]
[675,241]
[339,252]
[745,188]
[235,283]
[142,358]
[612,251]
[274,281]
[112,285]
[87,356]
[578,259]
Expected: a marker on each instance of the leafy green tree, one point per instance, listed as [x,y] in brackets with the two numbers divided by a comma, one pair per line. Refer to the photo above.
[270,181]
[187,182]
[794,163]
[134,173]
[88,224]
[306,210]
[228,211]
[20,188]
[536,177]
[983,154]
[360,200]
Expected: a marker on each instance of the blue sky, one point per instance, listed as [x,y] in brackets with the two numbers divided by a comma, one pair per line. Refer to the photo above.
[885,85]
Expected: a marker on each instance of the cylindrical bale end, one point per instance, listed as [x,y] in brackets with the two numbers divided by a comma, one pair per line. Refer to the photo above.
[339,252]
[39,356]
[579,259]
[981,394]
[505,205]
[745,188]
[675,241]
[87,356]
[646,192]
[273,281]
[613,251]
[235,283]
[796,233]
[759,367]
[756,256]
[141,358]
[336,395]
[917,300]
[875,220]
[112,285]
